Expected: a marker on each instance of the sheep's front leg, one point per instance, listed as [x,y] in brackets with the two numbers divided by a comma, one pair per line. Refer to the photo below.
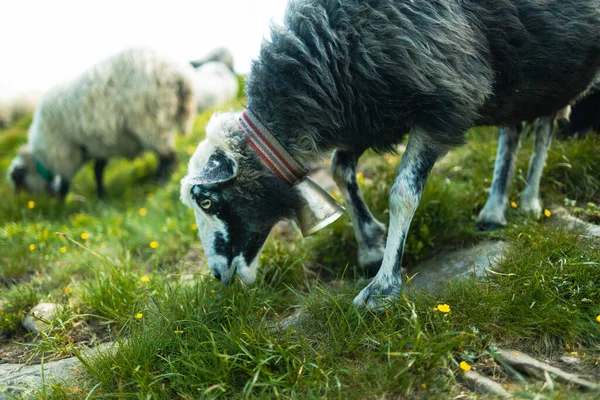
[369,233]
[492,214]
[417,161]
[99,167]
[531,203]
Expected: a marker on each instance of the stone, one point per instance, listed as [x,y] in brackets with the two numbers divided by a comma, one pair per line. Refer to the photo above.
[540,370]
[35,320]
[25,381]
[562,217]
[484,385]
[477,261]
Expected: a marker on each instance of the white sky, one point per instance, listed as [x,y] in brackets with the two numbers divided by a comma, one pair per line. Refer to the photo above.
[45,41]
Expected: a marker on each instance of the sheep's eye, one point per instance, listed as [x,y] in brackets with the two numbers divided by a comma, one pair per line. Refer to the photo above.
[205,204]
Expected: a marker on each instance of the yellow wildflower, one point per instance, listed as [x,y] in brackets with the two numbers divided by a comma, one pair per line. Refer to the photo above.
[568,347]
[442,308]
[516,354]
[154,244]
[573,353]
[191,150]
[85,235]
[360,177]
[513,204]
[67,290]
[63,249]
[423,386]
[143,211]
[194,227]
[145,278]
[139,315]
[598,318]
[31,204]
[31,247]
[465,366]
[547,213]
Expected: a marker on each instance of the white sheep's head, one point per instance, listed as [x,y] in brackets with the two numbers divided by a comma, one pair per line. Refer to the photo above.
[23,173]
[236,200]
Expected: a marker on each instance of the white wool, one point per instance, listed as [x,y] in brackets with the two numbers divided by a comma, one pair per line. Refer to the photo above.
[16,107]
[121,106]
[218,134]
[215,85]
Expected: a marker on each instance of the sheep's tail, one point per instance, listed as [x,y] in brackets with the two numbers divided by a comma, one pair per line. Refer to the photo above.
[187,105]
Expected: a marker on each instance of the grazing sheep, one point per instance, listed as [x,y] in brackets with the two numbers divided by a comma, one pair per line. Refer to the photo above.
[220,54]
[349,75]
[215,85]
[128,103]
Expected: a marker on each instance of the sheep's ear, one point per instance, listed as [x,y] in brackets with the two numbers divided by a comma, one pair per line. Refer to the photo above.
[219,168]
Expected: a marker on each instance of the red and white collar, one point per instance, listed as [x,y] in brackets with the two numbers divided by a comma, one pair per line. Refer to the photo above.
[271,151]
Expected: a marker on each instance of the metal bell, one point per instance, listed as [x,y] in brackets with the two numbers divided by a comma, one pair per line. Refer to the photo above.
[319,208]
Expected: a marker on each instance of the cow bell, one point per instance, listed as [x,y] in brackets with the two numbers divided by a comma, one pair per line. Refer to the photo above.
[318,210]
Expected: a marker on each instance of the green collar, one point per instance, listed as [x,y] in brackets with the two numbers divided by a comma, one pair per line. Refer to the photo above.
[43,171]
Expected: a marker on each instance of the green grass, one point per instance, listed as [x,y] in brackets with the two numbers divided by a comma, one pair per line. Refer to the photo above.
[188,338]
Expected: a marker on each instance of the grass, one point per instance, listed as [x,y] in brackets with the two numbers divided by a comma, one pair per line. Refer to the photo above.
[130,268]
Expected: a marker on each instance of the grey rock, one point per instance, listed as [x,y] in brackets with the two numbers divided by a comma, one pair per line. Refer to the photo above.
[477,261]
[484,385]
[25,381]
[562,217]
[35,320]
[540,370]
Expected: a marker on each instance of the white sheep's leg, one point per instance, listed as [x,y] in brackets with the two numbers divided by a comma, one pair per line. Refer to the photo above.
[492,214]
[369,233]
[99,167]
[531,203]
[417,161]
[166,164]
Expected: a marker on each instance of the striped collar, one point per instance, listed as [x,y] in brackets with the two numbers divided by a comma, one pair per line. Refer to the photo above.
[43,171]
[271,151]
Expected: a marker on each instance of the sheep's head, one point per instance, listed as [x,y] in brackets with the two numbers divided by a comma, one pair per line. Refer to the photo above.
[236,200]
[23,173]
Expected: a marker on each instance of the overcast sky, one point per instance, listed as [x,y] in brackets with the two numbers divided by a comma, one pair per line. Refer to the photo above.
[45,41]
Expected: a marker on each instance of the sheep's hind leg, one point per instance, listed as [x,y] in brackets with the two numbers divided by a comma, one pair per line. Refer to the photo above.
[531,203]
[166,164]
[492,214]
[369,233]
[99,167]
[417,161]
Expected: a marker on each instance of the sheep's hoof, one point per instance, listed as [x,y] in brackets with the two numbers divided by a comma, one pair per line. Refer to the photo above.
[486,226]
[378,295]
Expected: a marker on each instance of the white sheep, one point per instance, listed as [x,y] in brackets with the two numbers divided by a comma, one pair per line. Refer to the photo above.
[128,103]
[215,85]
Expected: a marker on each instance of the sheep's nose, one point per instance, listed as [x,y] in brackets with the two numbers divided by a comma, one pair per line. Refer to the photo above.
[195,191]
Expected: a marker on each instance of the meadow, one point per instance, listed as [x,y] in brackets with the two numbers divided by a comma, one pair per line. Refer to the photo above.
[130,269]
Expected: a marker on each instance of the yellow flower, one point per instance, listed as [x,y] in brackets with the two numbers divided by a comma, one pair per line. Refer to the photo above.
[513,204]
[31,204]
[63,249]
[191,149]
[139,315]
[465,366]
[143,211]
[67,290]
[598,318]
[145,278]
[154,244]
[178,332]
[442,308]
[547,213]
[423,386]
[568,347]
[31,247]
[194,227]
[85,235]
[516,354]
[360,177]
[573,353]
